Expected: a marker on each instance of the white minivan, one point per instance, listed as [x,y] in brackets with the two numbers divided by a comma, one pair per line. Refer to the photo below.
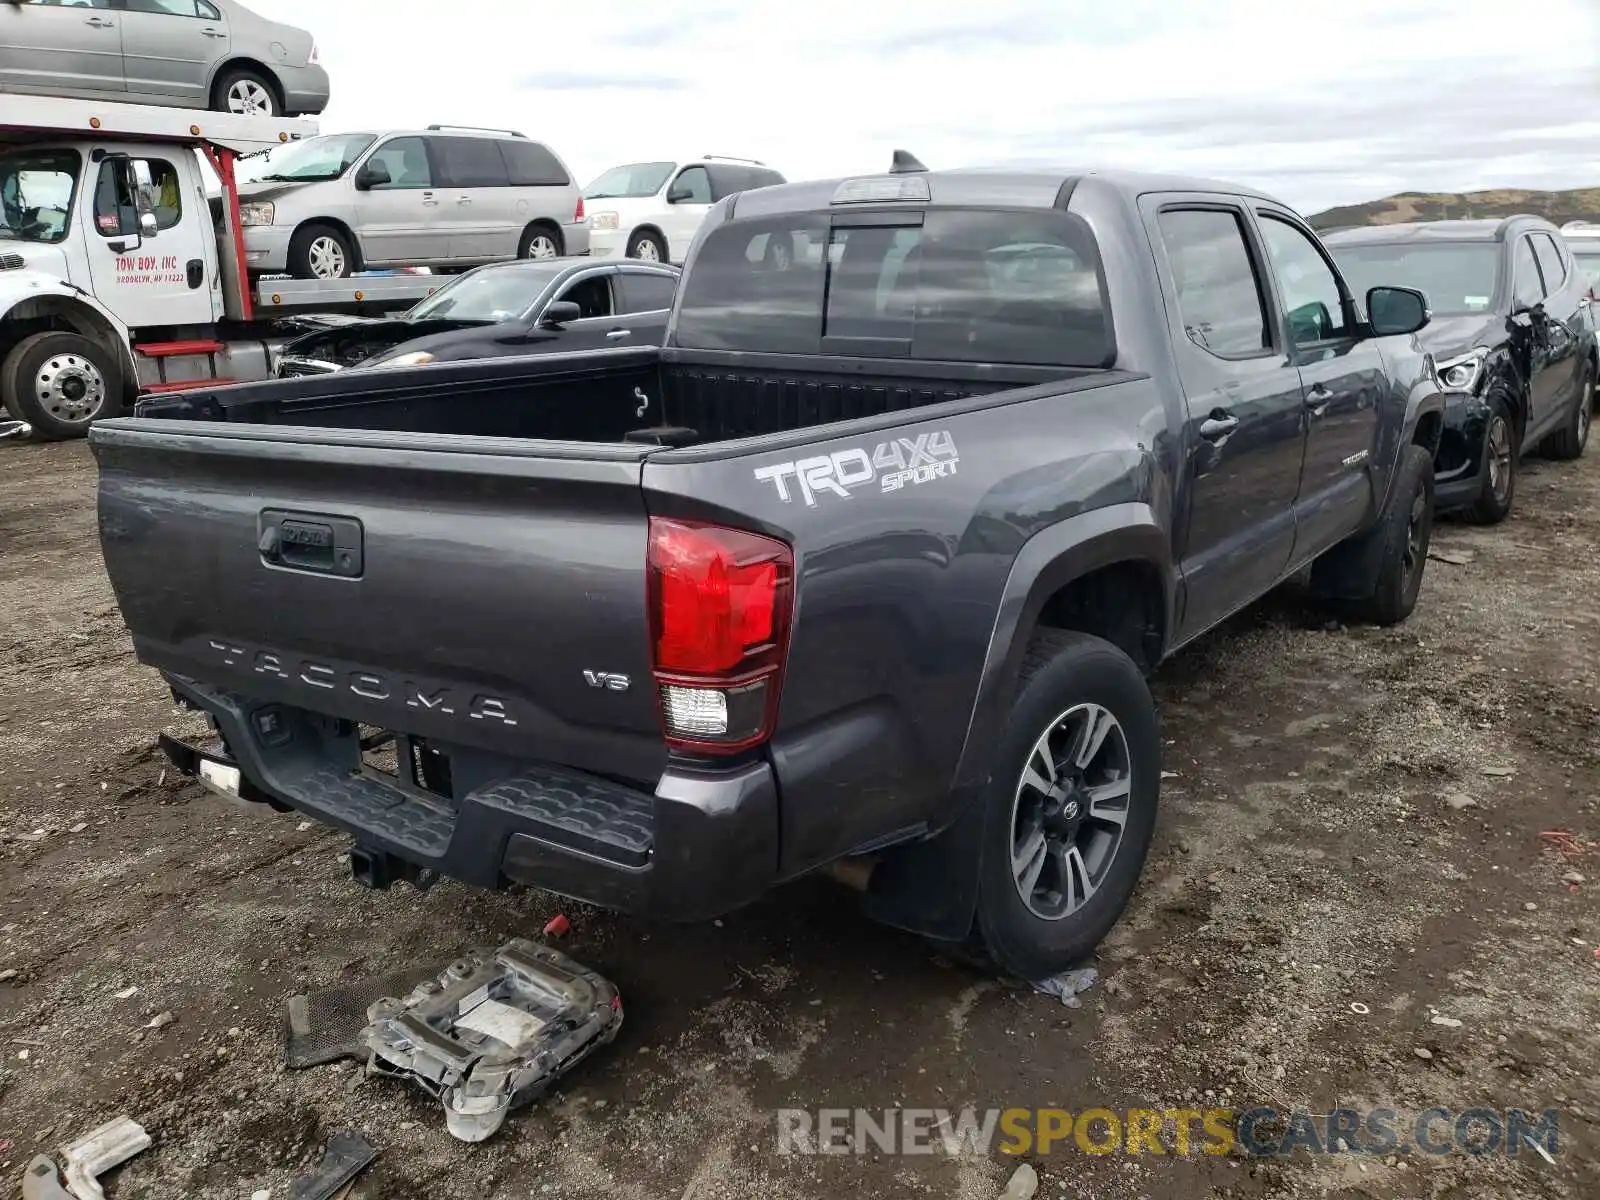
[442,197]
[651,210]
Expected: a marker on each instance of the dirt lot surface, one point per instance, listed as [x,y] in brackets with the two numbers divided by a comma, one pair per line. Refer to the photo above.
[1350,847]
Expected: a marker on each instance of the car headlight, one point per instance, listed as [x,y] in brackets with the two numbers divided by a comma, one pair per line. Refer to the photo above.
[603,220]
[257,214]
[1461,374]
[413,358]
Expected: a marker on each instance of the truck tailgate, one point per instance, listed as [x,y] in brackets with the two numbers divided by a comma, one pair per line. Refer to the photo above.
[457,589]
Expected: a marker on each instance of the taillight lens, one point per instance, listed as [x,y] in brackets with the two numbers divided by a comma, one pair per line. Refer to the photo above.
[314,58]
[720,604]
[578,216]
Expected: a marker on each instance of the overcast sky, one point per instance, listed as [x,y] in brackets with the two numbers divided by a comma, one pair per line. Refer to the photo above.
[1385,96]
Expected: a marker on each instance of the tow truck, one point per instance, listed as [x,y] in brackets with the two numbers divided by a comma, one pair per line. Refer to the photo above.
[121,275]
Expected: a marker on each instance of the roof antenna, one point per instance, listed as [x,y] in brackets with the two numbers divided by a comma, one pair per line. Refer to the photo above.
[905,163]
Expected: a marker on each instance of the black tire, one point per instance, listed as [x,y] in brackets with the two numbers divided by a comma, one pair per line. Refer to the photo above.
[1501,452]
[536,236]
[312,250]
[60,383]
[255,88]
[1404,532]
[1065,673]
[1568,443]
[647,246]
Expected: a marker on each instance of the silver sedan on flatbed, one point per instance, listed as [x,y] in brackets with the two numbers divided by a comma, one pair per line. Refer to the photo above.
[213,54]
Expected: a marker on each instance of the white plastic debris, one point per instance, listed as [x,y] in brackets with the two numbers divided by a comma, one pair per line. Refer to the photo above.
[1360,1009]
[1023,1184]
[112,1144]
[1447,1022]
[127,993]
[1068,985]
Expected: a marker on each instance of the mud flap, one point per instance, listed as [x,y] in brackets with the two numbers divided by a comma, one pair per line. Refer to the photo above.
[493,1031]
[1350,570]
[931,887]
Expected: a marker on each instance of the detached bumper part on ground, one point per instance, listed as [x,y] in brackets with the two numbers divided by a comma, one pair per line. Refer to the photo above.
[493,1032]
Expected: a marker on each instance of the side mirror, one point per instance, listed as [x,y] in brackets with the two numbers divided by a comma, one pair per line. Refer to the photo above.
[558,313]
[678,193]
[134,180]
[374,174]
[1396,310]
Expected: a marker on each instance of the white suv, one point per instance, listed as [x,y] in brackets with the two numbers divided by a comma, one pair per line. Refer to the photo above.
[1583,239]
[651,210]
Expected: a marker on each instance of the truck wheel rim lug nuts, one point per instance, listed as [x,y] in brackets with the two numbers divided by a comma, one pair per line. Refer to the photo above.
[70,387]
[1068,811]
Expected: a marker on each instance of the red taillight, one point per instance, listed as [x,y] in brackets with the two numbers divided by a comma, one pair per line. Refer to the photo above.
[720,601]
[578,216]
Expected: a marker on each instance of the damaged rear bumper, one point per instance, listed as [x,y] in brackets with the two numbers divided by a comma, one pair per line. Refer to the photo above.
[704,843]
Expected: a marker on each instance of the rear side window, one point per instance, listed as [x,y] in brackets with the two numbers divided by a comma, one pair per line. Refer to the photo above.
[470,162]
[964,286]
[528,164]
[728,180]
[644,291]
[1219,289]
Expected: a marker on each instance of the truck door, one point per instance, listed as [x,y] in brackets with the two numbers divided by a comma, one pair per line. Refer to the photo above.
[49,45]
[1344,379]
[146,282]
[479,204]
[1244,434]
[168,47]
[1556,384]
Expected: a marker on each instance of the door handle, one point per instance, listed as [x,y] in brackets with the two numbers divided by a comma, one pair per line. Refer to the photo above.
[1317,399]
[428,201]
[464,200]
[1218,426]
[620,333]
[100,23]
[212,33]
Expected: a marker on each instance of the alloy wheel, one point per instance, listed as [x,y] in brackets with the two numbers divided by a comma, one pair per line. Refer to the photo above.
[542,245]
[249,98]
[1069,811]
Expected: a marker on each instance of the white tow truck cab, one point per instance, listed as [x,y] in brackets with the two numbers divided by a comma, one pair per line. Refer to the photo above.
[120,275]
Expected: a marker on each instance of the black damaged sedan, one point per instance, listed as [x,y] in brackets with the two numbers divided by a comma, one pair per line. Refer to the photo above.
[531,306]
[1512,339]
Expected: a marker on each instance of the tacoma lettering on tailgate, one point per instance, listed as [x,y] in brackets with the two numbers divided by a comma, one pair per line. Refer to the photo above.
[902,463]
[369,685]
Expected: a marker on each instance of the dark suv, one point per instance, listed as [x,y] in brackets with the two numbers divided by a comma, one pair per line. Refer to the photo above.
[1512,338]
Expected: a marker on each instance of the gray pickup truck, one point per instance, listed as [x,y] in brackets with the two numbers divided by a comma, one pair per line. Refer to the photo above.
[866,565]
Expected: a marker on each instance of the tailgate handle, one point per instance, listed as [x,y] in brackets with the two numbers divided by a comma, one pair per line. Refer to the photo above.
[311,542]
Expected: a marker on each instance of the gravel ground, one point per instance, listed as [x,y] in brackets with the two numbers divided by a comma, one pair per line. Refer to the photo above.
[1351,846]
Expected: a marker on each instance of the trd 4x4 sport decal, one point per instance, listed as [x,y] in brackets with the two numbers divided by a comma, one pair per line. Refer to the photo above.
[888,467]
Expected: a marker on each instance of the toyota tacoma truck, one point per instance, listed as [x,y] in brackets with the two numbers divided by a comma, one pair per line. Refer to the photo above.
[864,567]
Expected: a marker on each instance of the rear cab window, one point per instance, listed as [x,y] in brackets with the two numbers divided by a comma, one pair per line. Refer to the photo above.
[952,285]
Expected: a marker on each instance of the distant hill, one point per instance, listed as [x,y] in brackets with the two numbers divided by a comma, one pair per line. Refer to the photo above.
[1581,204]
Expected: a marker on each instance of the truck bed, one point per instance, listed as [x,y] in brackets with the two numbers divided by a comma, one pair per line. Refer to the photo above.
[641,395]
